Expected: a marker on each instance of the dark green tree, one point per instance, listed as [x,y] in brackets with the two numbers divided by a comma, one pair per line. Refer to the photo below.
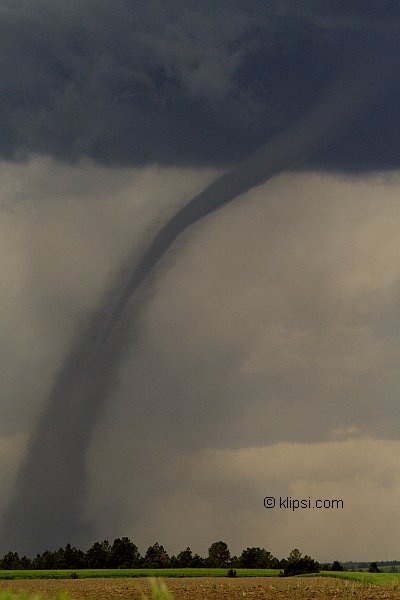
[73,558]
[257,558]
[373,568]
[98,555]
[156,557]
[26,563]
[173,562]
[218,555]
[46,560]
[184,558]
[197,562]
[234,562]
[124,554]
[336,566]
[63,558]
[10,560]
[296,564]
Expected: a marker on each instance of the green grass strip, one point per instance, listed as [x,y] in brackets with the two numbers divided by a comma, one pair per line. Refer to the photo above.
[362,577]
[90,573]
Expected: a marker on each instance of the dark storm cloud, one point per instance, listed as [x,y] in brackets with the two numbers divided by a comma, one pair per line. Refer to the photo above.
[183,82]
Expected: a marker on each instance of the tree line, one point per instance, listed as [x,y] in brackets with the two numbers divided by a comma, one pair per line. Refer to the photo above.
[123,553]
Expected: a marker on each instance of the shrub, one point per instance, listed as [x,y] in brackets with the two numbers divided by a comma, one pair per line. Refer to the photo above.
[373,568]
[296,564]
[336,566]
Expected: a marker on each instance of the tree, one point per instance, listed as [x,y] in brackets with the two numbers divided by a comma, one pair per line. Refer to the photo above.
[47,560]
[296,564]
[98,555]
[234,562]
[173,562]
[25,563]
[373,568]
[74,558]
[197,562]
[184,558]
[218,555]
[336,566]
[257,558]
[63,558]
[294,555]
[10,560]
[156,557]
[124,554]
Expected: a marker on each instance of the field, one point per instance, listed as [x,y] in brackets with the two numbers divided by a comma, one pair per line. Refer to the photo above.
[110,573]
[358,576]
[363,577]
[208,588]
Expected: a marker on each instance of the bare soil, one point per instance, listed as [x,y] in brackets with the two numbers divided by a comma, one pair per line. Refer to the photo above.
[208,588]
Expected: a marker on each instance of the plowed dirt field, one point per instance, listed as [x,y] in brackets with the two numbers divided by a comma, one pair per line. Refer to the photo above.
[209,588]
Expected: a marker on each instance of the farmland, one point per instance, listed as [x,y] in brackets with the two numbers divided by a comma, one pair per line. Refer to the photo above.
[90,585]
[207,588]
[363,577]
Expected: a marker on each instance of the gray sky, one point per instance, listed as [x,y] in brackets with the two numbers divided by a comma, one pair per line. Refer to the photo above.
[282,385]
[265,357]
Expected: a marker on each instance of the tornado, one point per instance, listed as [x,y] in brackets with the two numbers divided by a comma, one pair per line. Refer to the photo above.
[47,510]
